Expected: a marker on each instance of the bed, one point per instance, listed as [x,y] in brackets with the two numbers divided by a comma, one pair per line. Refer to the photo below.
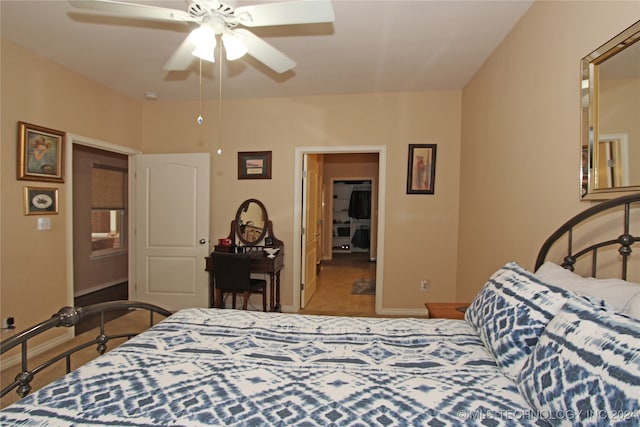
[532,350]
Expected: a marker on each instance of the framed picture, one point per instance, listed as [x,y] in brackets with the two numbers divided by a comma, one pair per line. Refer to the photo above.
[421,172]
[40,201]
[40,153]
[254,165]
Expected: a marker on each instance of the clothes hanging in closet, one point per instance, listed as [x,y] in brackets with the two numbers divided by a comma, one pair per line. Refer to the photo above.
[360,204]
[362,237]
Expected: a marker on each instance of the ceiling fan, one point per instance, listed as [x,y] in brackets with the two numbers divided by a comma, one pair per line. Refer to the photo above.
[214,18]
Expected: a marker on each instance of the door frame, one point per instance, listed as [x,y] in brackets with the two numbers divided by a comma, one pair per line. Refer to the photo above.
[106,146]
[381,150]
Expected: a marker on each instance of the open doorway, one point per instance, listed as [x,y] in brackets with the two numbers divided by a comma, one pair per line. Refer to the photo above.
[346,279]
[76,179]
[100,229]
[351,214]
[346,163]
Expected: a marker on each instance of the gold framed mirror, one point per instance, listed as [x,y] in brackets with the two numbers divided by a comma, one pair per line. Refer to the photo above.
[251,222]
[610,117]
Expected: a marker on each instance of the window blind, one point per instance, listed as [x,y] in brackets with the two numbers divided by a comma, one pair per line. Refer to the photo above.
[108,188]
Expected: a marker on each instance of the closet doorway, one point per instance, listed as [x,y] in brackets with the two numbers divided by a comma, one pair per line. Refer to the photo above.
[351,217]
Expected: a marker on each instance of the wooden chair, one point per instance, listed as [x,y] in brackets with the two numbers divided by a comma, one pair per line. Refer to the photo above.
[232,274]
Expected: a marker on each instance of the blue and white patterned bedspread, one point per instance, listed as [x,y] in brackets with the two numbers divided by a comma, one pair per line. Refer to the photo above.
[232,367]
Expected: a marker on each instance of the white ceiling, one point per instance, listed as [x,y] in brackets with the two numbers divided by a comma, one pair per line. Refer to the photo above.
[373,46]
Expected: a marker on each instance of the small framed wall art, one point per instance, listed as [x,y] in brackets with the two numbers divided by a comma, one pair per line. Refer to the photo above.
[421,171]
[254,165]
[40,153]
[40,201]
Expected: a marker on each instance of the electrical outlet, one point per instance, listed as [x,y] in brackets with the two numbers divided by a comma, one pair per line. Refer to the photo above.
[424,285]
[9,323]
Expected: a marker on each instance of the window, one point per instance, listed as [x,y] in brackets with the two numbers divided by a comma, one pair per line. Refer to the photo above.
[108,210]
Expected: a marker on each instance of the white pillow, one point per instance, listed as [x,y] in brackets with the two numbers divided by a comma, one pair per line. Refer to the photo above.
[616,292]
[633,307]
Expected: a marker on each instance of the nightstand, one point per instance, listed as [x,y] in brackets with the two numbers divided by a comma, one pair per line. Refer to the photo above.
[446,310]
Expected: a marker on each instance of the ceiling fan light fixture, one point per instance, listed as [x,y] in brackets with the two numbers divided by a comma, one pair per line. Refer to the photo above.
[204,38]
[217,18]
[205,53]
[233,46]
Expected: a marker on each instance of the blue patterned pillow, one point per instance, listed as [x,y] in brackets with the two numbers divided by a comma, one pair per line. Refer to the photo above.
[586,367]
[511,312]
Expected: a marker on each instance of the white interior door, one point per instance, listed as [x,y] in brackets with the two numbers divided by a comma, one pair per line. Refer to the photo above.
[172,233]
[311,233]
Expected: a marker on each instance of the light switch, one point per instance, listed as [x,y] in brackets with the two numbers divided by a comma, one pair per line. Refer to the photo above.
[44,223]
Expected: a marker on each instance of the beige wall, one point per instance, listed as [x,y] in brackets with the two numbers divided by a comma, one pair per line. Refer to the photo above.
[521,135]
[420,230]
[33,276]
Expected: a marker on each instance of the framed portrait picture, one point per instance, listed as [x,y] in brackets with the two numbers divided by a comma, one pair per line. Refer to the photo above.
[254,165]
[40,153]
[421,171]
[40,201]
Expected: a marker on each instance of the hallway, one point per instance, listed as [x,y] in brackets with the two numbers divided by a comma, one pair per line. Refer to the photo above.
[335,280]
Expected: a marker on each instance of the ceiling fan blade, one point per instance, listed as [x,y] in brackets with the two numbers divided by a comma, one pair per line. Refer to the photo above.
[286,13]
[134,10]
[182,57]
[264,52]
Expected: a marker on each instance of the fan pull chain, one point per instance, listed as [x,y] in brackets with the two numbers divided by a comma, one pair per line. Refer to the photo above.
[200,120]
[219,150]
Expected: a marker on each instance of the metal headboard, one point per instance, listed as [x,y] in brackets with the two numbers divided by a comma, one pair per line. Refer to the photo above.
[67,317]
[624,241]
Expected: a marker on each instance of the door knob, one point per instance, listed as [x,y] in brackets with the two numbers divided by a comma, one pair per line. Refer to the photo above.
[203,241]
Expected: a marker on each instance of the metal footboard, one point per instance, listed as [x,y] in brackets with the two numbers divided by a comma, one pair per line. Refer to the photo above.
[68,317]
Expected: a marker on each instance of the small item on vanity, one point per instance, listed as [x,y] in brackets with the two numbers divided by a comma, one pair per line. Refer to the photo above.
[224,242]
[240,249]
[271,252]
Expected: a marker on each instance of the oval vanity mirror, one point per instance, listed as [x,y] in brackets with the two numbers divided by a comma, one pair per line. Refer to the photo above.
[251,222]
[610,128]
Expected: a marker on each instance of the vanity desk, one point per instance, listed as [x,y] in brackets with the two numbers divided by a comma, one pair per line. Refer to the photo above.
[252,233]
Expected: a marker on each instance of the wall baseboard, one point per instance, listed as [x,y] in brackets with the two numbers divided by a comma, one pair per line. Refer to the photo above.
[406,312]
[400,312]
[100,287]
[119,291]
[38,349]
